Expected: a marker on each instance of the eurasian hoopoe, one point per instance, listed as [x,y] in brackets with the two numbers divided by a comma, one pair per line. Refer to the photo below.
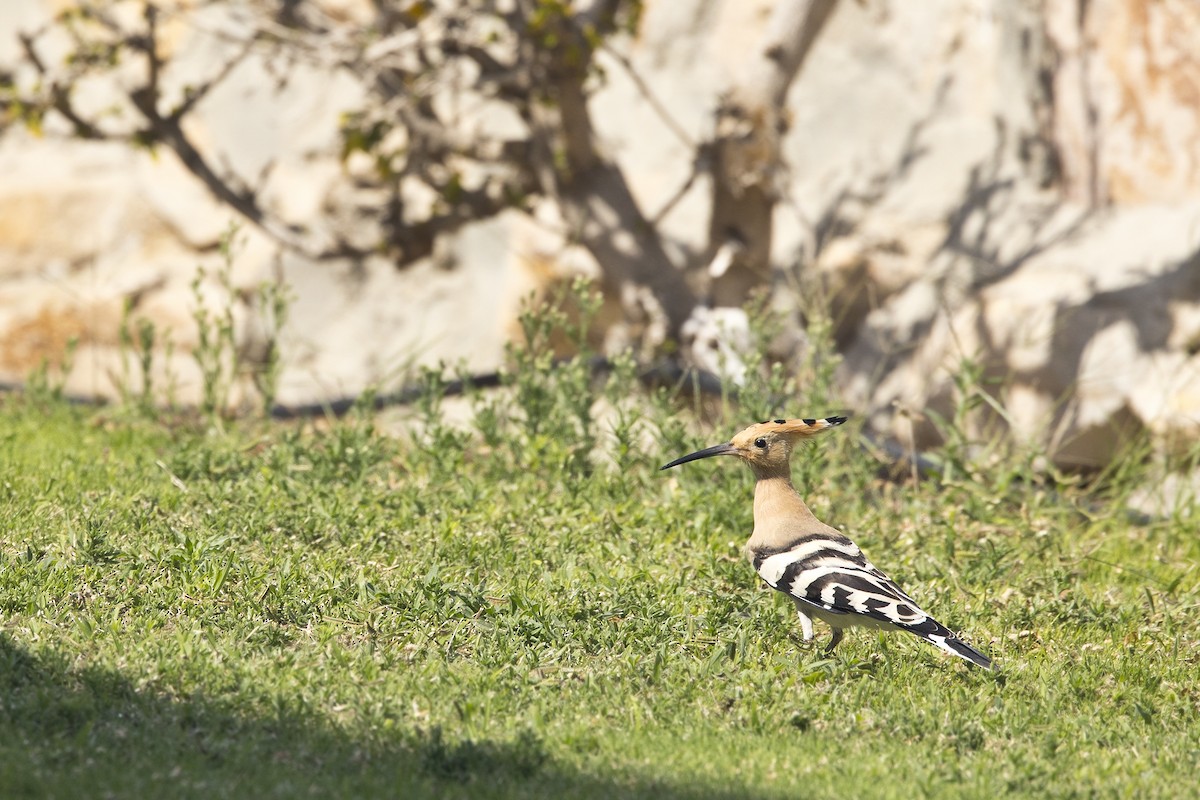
[824,573]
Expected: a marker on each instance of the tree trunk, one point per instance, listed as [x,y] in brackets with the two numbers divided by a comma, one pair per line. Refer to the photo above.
[591,191]
[747,152]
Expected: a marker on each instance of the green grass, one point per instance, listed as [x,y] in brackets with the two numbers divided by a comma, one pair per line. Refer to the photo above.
[284,611]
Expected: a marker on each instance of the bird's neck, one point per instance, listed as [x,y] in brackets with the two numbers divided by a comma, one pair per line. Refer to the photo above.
[778,508]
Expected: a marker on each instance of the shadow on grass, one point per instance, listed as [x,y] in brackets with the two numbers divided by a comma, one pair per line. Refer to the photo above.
[89,732]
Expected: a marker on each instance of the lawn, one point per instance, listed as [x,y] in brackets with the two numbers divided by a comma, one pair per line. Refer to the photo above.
[261,609]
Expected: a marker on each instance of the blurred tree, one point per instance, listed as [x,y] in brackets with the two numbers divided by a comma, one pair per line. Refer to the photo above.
[415,61]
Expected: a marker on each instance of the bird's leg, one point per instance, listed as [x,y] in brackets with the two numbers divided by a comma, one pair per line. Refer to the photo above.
[833,641]
[806,625]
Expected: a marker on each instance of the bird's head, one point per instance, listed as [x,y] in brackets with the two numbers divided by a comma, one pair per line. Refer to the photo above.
[767,446]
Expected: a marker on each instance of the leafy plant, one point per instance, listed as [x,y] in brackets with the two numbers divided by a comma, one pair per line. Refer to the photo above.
[554,396]
[45,384]
[272,302]
[216,350]
[137,343]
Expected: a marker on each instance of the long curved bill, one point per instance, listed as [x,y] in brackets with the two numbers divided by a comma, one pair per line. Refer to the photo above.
[726,449]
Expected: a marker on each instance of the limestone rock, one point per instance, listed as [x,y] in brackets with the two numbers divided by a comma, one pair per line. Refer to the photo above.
[1009,185]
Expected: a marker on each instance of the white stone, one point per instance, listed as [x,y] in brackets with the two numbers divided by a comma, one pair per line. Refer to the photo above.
[943,207]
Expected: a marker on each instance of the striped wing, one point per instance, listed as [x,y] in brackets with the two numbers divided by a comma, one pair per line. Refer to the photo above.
[831,573]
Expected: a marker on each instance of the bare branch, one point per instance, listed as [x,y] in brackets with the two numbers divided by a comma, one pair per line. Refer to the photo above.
[655,104]
[195,95]
[60,96]
[532,56]
[791,30]
[508,82]
[152,61]
[700,165]
[168,131]
[413,241]
[31,54]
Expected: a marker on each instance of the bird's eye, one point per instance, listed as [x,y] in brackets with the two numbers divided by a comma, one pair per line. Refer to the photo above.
[760,443]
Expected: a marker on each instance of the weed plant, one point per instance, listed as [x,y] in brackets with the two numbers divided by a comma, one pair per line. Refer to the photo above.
[529,608]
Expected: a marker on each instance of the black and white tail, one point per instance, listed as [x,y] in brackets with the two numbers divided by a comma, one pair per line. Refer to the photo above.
[943,638]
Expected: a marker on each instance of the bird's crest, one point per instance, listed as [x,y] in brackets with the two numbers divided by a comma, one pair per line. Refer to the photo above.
[795,428]
[790,431]
[767,445]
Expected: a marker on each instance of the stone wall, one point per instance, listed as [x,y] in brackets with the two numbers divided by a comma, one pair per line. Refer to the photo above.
[1013,185]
